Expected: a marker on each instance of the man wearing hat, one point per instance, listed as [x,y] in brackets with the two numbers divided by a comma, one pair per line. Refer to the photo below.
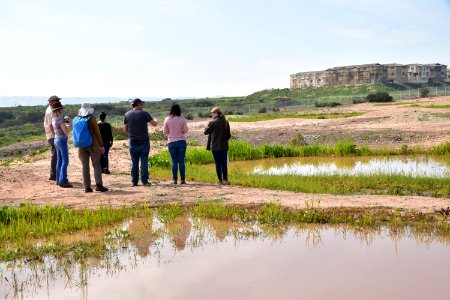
[135,124]
[50,134]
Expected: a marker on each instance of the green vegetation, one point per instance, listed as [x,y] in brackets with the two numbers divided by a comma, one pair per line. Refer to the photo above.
[430,106]
[265,117]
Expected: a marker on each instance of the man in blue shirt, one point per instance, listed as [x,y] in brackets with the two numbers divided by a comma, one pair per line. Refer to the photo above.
[135,124]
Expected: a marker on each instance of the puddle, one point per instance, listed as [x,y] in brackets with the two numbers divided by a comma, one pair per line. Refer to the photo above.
[420,166]
[211,259]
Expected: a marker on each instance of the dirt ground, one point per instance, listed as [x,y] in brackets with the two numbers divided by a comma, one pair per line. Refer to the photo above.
[26,180]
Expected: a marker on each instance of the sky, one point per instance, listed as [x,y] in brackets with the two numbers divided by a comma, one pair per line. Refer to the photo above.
[205,48]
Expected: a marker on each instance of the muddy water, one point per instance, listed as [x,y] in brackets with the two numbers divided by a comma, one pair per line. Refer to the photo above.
[211,259]
[415,166]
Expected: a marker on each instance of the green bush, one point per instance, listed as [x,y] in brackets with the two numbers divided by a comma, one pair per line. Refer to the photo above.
[424,92]
[379,97]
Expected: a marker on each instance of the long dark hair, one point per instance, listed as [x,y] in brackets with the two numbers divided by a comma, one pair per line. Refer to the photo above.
[220,114]
[175,110]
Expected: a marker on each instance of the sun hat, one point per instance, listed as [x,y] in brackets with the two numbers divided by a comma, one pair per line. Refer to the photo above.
[86,109]
[54,98]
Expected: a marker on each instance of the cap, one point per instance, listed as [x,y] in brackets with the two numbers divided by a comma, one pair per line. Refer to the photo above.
[54,98]
[86,109]
[136,101]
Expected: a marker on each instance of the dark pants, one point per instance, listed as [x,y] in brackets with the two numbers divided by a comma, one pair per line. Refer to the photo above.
[53,157]
[177,152]
[139,152]
[104,159]
[94,153]
[220,158]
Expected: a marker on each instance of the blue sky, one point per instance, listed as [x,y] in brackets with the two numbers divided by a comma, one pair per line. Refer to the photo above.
[199,48]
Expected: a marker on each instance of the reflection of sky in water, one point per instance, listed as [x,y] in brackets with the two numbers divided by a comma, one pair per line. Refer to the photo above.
[408,167]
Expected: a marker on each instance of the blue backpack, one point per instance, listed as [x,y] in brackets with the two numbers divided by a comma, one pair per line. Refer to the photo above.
[80,129]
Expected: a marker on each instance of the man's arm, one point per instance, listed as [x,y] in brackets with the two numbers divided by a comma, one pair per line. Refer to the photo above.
[153,122]
[125,128]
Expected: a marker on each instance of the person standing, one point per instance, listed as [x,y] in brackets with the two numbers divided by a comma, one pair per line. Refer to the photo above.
[218,131]
[61,128]
[175,127]
[107,138]
[93,152]
[135,125]
[50,134]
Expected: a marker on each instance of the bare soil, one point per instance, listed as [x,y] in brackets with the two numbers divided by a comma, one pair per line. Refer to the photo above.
[25,180]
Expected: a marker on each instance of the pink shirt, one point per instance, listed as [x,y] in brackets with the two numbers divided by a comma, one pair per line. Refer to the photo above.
[175,128]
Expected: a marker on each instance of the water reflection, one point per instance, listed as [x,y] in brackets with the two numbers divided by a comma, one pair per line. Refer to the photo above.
[191,258]
[352,166]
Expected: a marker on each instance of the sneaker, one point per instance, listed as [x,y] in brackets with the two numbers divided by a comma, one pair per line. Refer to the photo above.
[226,182]
[135,184]
[174,181]
[146,184]
[65,185]
[100,188]
[183,181]
[106,171]
[220,182]
[88,190]
[52,178]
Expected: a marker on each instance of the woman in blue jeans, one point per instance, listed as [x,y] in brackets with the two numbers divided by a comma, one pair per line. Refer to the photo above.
[175,127]
[61,129]
[219,133]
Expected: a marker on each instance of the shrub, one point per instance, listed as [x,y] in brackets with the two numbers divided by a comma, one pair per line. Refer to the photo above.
[424,92]
[262,110]
[379,97]
[190,116]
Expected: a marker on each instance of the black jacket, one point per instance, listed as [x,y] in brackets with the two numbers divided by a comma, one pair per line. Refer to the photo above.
[218,135]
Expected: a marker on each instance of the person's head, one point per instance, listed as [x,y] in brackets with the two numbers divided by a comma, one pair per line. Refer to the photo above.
[137,103]
[102,116]
[217,113]
[85,110]
[53,99]
[57,109]
[175,110]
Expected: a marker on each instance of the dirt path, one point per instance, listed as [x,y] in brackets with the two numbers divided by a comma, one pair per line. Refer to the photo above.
[28,181]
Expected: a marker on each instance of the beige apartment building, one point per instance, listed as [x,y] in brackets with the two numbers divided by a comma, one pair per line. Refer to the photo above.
[372,73]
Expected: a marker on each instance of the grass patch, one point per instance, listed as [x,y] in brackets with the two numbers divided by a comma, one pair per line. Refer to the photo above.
[430,106]
[322,184]
[265,117]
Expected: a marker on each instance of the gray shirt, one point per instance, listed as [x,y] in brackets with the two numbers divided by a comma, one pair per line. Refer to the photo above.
[137,121]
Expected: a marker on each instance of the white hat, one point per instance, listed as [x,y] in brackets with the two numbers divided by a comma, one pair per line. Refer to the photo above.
[86,109]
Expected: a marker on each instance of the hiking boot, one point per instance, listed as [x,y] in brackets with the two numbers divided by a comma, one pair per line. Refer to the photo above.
[106,171]
[135,184]
[65,185]
[88,190]
[174,181]
[146,184]
[100,188]
[226,182]
[52,178]
[183,181]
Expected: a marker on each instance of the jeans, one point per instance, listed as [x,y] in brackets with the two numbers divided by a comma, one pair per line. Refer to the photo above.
[104,159]
[53,159]
[220,158]
[139,152]
[94,154]
[177,152]
[62,160]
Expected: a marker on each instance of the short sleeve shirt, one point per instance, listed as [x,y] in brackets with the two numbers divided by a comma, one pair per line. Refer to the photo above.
[59,133]
[137,121]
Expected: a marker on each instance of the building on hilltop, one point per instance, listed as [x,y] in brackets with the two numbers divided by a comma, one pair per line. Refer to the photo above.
[372,73]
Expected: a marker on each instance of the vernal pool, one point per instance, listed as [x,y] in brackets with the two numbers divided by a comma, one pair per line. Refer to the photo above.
[414,166]
[192,258]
